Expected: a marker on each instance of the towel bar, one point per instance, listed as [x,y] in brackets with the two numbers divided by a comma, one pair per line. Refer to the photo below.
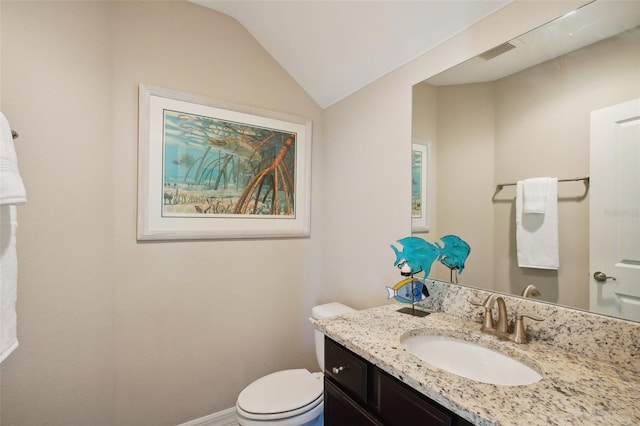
[585,179]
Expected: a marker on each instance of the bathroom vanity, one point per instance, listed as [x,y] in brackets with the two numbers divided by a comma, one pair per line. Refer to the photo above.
[357,393]
[376,378]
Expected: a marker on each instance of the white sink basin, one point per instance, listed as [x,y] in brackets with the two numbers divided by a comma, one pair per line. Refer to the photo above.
[470,360]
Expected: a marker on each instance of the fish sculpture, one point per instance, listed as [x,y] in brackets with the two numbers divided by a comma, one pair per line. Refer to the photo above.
[409,290]
[454,253]
[417,253]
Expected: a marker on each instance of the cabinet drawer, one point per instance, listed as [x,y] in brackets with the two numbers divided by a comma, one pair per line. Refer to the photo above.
[346,369]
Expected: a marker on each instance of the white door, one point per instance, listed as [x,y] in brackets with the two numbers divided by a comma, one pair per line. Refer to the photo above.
[614,252]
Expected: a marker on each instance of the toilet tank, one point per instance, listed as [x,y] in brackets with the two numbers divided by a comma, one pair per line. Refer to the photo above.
[325,311]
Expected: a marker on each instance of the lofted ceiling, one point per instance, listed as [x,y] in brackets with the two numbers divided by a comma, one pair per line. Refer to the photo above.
[333,48]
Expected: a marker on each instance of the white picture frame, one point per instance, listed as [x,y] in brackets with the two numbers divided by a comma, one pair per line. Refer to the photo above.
[214,170]
[420,208]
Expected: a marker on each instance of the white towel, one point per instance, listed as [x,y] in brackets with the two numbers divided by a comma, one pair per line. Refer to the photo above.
[8,280]
[11,186]
[534,194]
[12,192]
[537,234]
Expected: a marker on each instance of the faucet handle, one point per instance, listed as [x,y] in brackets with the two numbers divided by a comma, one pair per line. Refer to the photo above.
[487,324]
[533,317]
[519,333]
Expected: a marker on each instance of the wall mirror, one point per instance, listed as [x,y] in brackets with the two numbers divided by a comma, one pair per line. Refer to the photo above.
[524,110]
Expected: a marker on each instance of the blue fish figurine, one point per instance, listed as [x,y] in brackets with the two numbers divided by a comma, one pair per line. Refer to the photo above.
[417,253]
[454,253]
[409,290]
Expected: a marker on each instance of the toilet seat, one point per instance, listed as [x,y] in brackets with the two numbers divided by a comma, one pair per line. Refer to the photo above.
[281,395]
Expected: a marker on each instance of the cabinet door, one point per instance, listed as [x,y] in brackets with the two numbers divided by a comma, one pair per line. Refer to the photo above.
[341,410]
[402,406]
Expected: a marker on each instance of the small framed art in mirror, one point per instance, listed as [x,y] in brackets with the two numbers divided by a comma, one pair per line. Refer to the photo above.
[419,186]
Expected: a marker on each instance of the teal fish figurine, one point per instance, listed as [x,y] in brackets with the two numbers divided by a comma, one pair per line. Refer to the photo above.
[417,253]
[454,253]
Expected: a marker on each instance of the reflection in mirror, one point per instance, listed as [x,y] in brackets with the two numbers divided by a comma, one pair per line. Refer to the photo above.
[524,110]
[420,159]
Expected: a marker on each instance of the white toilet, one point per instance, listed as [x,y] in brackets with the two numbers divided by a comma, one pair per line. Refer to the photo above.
[289,397]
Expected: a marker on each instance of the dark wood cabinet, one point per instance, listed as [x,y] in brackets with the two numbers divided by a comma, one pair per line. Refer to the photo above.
[341,410]
[357,393]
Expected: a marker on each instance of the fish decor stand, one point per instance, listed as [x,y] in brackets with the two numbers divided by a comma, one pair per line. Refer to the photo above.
[412,310]
[417,256]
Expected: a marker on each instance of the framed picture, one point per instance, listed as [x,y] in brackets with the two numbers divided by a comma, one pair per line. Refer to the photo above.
[212,170]
[419,187]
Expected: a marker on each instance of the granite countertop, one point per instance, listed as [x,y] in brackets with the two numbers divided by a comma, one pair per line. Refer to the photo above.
[574,389]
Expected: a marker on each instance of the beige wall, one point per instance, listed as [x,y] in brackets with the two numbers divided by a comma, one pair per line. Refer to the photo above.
[56,92]
[112,331]
[115,332]
[424,123]
[533,123]
[465,178]
[458,120]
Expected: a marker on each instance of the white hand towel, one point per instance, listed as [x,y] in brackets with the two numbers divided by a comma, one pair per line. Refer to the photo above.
[8,280]
[12,192]
[11,185]
[537,234]
[534,193]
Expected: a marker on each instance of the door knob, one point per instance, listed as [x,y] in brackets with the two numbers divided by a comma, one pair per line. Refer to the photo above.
[602,277]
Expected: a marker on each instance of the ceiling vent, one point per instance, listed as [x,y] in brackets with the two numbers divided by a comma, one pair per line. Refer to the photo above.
[496,51]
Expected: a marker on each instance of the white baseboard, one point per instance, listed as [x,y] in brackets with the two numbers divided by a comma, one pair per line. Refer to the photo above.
[221,418]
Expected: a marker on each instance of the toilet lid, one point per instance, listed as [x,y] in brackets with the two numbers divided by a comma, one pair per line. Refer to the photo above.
[280,392]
